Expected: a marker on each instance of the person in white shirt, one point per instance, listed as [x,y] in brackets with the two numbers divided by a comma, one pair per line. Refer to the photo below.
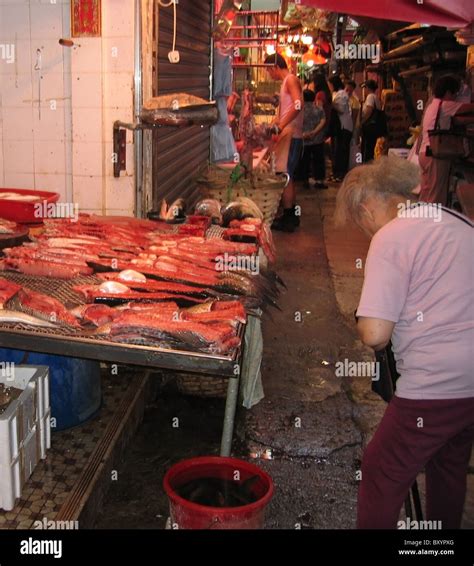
[355,105]
[435,172]
[369,125]
[342,138]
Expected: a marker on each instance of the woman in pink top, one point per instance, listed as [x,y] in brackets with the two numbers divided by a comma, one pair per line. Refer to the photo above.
[435,172]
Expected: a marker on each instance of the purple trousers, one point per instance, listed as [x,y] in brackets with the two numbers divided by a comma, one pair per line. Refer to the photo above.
[434,435]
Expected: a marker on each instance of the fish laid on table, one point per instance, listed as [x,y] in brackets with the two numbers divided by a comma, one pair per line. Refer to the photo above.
[100,315]
[257,286]
[257,228]
[150,284]
[45,268]
[7,291]
[232,312]
[42,306]
[95,314]
[114,292]
[47,253]
[7,315]
[215,338]
[169,309]
[165,272]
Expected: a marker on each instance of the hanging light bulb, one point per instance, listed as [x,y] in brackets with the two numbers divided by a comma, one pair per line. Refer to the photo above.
[296,38]
[307,39]
[271,50]
[289,52]
[310,63]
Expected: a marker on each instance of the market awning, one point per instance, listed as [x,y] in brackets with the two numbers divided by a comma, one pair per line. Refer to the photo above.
[453,14]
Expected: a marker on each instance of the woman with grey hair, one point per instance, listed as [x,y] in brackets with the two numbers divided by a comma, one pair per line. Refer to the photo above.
[417,292]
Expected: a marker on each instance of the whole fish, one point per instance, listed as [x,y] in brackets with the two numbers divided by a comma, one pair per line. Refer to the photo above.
[7,291]
[43,306]
[241,208]
[20,317]
[209,207]
[173,213]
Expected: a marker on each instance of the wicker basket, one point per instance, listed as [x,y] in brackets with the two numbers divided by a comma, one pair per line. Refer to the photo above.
[265,190]
[202,386]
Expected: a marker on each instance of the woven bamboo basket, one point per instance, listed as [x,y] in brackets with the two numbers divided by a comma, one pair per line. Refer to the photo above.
[202,386]
[264,189]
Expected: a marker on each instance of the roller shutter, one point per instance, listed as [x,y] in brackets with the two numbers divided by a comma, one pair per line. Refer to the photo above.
[179,152]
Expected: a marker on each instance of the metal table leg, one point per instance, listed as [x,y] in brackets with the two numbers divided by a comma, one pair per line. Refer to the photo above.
[248,377]
[229,417]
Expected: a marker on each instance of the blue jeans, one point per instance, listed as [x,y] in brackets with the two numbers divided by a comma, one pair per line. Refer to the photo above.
[294,156]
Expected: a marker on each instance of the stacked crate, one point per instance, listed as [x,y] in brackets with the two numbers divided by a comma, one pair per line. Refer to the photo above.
[25,432]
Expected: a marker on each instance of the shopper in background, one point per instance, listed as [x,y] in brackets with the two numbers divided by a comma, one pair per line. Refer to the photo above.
[323,95]
[342,141]
[435,172]
[288,130]
[313,137]
[465,92]
[355,105]
[417,292]
[369,122]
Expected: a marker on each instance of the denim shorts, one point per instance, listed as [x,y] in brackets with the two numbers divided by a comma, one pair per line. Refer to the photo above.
[294,156]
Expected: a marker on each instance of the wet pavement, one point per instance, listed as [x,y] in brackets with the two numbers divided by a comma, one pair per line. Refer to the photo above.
[312,424]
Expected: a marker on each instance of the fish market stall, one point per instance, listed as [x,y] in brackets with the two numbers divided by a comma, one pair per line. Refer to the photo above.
[139,292]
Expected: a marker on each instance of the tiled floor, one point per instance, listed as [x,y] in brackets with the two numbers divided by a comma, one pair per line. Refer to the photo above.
[53,479]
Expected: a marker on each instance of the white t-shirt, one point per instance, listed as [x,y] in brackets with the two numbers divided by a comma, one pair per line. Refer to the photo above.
[419,274]
[340,101]
[371,101]
[448,109]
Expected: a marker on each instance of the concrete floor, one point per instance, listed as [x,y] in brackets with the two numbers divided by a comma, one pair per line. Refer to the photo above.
[314,423]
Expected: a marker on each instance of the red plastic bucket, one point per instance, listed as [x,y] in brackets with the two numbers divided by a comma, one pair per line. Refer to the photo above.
[189,515]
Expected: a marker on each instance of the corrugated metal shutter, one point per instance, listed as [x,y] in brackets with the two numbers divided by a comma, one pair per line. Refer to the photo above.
[179,153]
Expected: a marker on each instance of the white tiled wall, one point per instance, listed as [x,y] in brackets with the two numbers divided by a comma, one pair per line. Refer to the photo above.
[117,59]
[56,124]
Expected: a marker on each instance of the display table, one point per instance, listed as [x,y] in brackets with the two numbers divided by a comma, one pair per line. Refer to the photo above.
[242,366]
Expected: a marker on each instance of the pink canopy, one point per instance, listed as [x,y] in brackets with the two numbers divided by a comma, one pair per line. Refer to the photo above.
[449,13]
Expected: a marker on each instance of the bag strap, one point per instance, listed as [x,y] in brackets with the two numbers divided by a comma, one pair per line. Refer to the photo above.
[437,115]
[454,213]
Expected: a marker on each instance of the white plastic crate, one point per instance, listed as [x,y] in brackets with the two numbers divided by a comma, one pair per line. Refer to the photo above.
[25,433]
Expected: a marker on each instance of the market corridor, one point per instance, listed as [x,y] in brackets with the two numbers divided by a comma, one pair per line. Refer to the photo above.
[314,421]
[311,423]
